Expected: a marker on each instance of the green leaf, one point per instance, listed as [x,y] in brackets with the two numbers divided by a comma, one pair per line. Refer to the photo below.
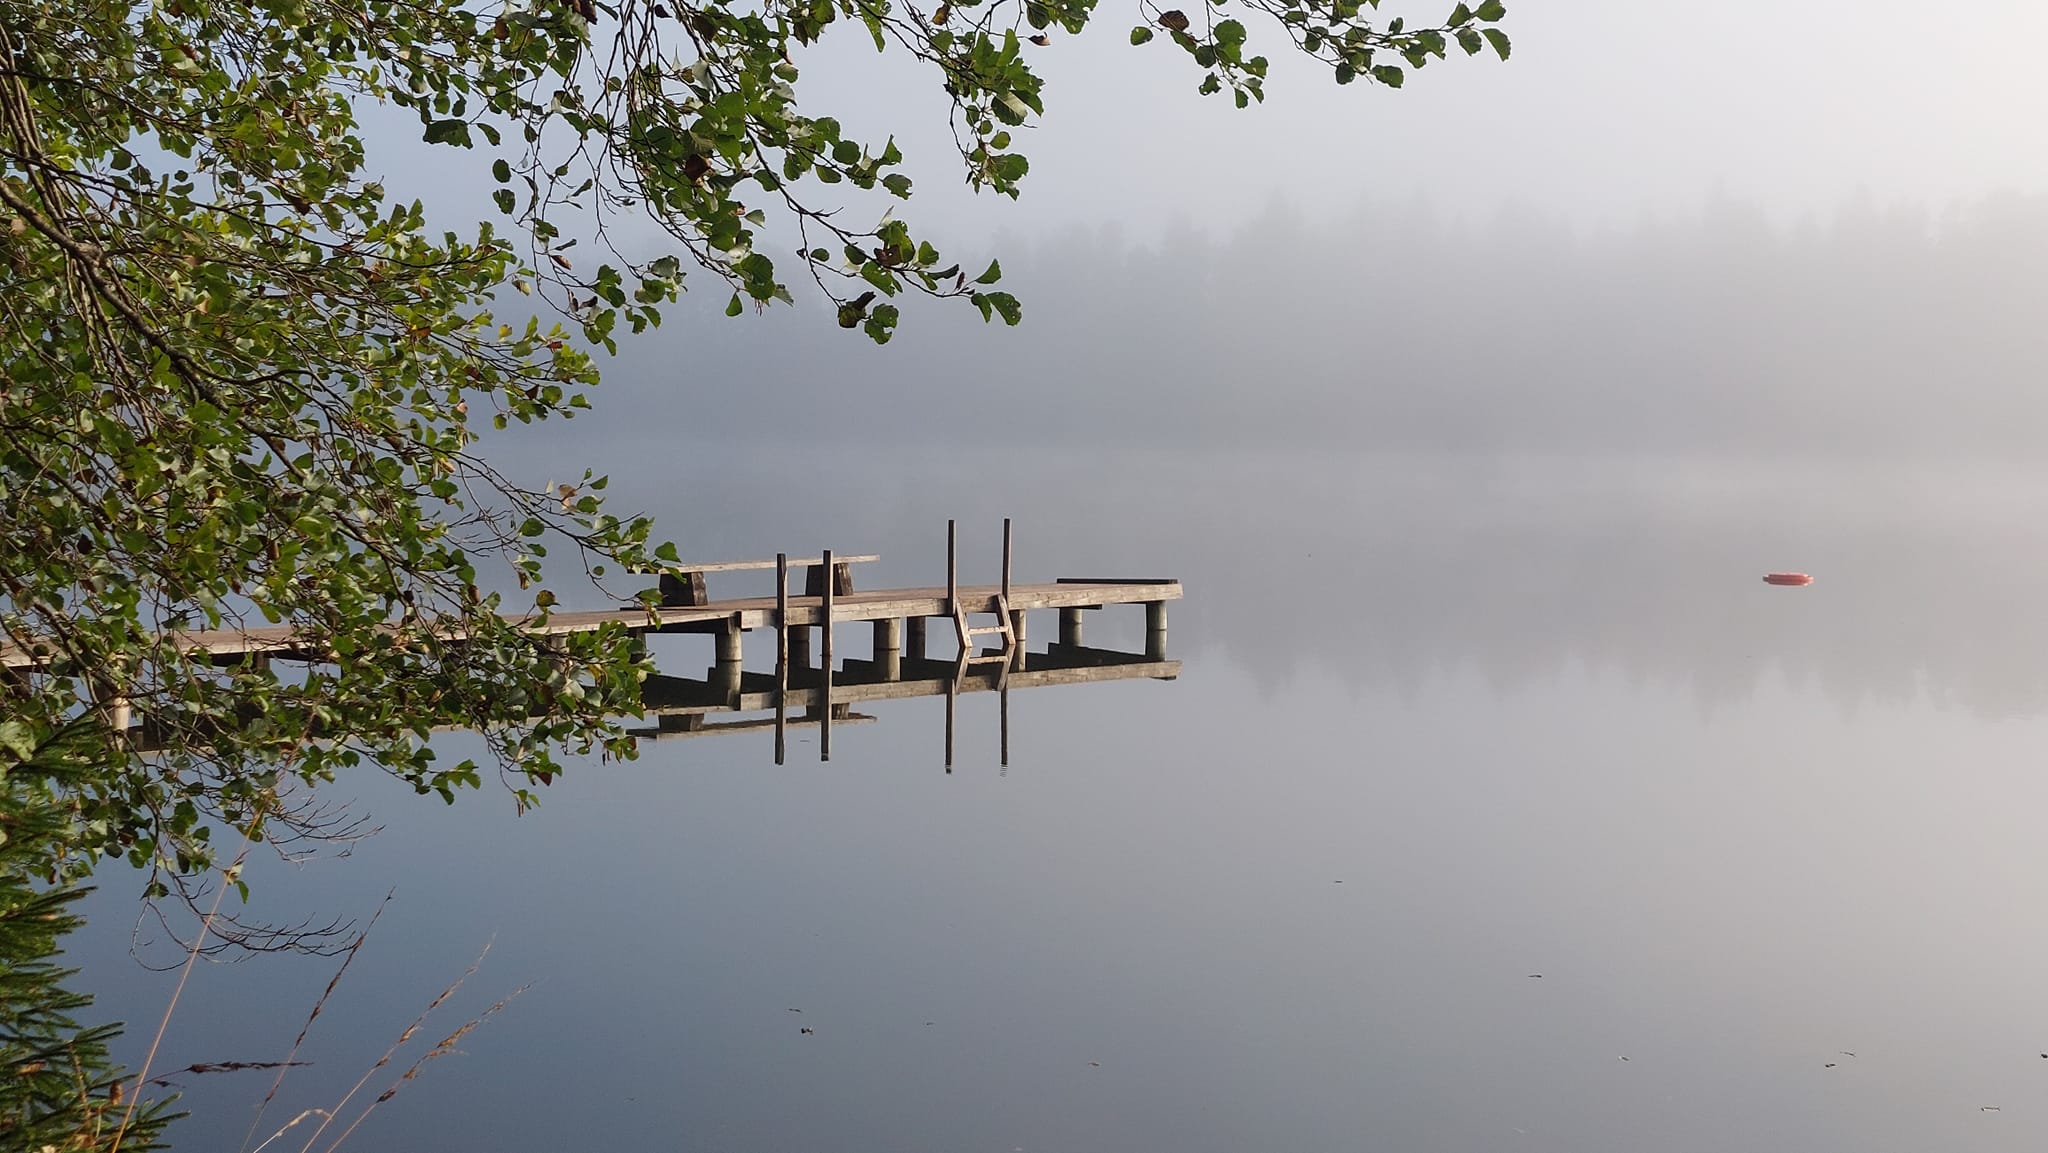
[1007,307]
[882,325]
[18,739]
[733,307]
[1490,10]
[993,273]
[501,171]
[448,132]
[1499,40]
[1140,35]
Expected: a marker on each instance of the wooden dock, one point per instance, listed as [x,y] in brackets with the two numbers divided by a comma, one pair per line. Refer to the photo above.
[808,678]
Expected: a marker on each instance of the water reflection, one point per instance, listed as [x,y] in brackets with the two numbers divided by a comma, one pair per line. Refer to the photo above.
[719,703]
[1387,571]
[1536,719]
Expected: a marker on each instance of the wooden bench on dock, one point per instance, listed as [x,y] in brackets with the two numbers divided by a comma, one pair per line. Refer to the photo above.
[685,588]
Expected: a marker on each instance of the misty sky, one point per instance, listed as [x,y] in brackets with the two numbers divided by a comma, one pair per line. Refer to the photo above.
[1610,109]
[1610,112]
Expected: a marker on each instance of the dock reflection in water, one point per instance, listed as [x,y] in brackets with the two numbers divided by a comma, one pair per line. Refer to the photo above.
[721,702]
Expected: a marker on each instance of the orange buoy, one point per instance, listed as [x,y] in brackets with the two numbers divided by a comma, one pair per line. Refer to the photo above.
[1793,579]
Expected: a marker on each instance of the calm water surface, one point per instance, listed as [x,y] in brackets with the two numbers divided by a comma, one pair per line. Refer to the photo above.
[1444,725]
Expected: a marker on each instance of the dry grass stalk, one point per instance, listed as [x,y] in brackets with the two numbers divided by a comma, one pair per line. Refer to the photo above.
[348,958]
[403,1037]
[184,975]
[445,1047]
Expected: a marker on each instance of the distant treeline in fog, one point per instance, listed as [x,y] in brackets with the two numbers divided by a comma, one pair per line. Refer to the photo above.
[1871,331]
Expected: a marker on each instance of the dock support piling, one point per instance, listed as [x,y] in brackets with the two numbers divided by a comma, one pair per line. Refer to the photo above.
[726,670]
[889,647]
[1155,630]
[725,678]
[913,638]
[825,663]
[729,642]
[952,566]
[1006,559]
[1070,626]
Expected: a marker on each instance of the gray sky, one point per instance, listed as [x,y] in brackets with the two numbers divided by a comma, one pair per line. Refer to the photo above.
[1610,109]
[1611,113]
[1758,228]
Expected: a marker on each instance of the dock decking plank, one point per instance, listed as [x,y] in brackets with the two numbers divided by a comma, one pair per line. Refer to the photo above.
[285,643]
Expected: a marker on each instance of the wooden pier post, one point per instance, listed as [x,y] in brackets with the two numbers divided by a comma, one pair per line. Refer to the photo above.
[913,638]
[889,647]
[725,677]
[726,669]
[781,653]
[952,566]
[799,646]
[729,642]
[1155,630]
[1070,626]
[1016,621]
[113,705]
[825,663]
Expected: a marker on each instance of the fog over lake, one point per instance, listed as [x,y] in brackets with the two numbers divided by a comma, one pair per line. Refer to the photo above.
[1445,722]
[1499,804]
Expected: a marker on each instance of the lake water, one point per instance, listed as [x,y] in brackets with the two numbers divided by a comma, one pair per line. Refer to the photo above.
[1499,806]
